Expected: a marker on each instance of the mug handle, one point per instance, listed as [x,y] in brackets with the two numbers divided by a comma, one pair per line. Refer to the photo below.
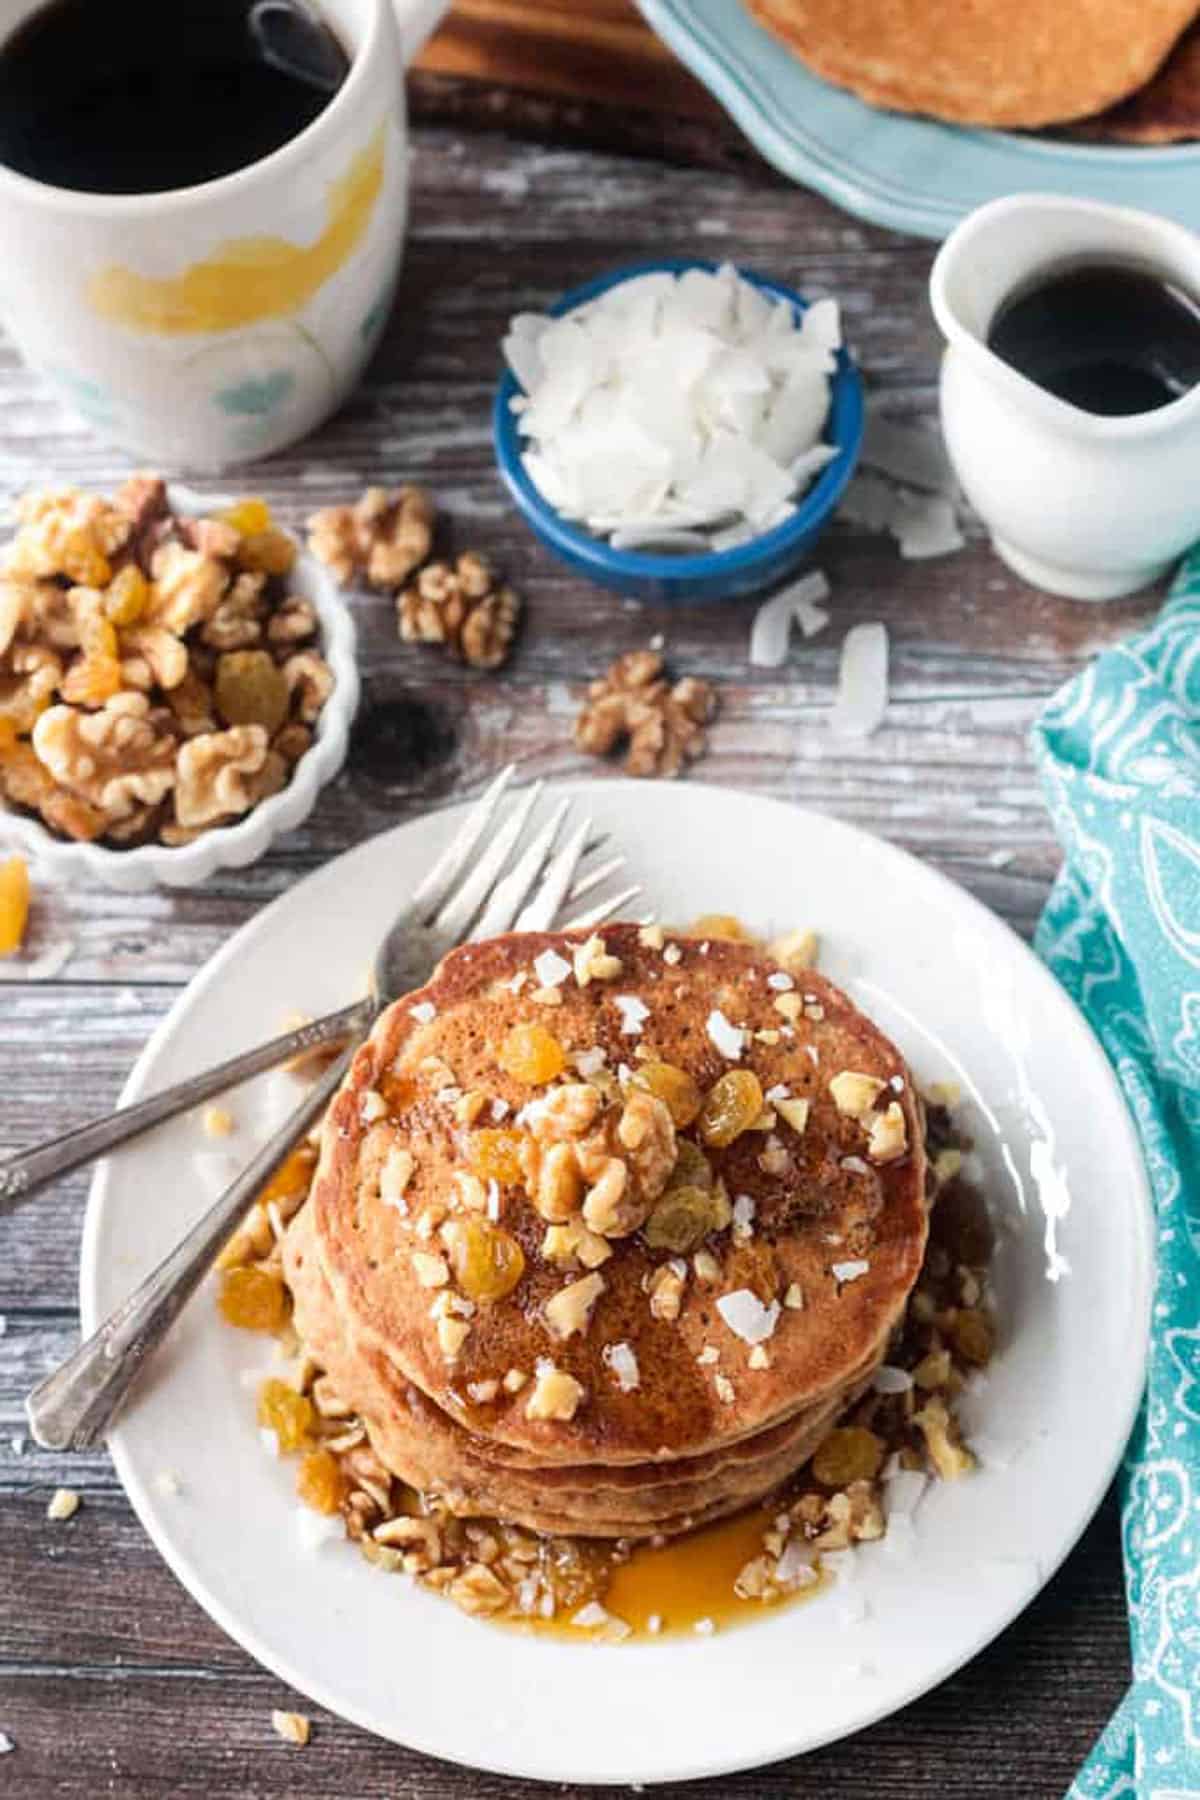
[417,20]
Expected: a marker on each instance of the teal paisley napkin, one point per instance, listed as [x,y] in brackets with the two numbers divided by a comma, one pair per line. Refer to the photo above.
[1119,754]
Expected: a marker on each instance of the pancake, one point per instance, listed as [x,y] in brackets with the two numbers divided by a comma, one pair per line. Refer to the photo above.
[1027,63]
[1165,111]
[710,1419]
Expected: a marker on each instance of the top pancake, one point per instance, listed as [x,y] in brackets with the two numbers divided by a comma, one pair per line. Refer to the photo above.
[1024,63]
[1165,111]
[819,1211]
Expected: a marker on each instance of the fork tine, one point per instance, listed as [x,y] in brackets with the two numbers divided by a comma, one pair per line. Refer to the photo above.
[440,880]
[460,909]
[605,910]
[510,895]
[594,877]
[541,911]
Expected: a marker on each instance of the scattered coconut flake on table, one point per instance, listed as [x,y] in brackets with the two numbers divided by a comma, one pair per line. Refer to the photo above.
[794,604]
[907,453]
[862,694]
[676,407]
[925,526]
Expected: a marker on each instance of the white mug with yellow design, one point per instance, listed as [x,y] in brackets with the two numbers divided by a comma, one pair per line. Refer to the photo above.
[210,325]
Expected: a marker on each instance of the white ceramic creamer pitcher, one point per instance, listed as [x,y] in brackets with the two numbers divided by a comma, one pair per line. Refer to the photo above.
[1080,504]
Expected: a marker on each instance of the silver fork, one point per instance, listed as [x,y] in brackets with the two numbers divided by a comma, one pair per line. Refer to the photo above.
[72,1408]
[399,955]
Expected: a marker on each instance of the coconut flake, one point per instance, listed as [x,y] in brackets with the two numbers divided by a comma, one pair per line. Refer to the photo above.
[844,1272]
[729,1039]
[551,969]
[423,1011]
[315,1529]
[773,621]
[795,1566]
[621,1360]
[589,1617]
[747,1317]
[890,1380]
[590,1062]
[780,981]
[925,527]
[862,695]
[907,453]
[780,1091]
[500,1110]
[634,1013]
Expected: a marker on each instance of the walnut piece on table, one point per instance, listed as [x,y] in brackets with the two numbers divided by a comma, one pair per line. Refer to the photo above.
[462,606]
[660,724]
[383,536]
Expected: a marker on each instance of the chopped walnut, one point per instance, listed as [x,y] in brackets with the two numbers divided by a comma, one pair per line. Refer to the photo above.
[947,1452]
[237,622]
[310,683]
[151,656]
[215,774]
[570,1309]
[187,587]
[566,1113]
[556,1395]
[463,607]
[666,1293]
[115,758]
[660,724]
[293,623]
[385,536]
[887,1134]
[26,782]
[647,1132]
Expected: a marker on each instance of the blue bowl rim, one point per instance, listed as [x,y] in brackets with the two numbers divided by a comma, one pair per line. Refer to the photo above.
[845,407]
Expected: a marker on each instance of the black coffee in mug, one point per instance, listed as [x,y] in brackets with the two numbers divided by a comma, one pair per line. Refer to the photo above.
[141,96]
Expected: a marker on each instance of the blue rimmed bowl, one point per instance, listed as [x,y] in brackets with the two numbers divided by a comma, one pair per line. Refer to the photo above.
[711,574]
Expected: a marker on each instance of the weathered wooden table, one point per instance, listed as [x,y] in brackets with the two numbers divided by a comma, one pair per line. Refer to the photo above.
[112,1681]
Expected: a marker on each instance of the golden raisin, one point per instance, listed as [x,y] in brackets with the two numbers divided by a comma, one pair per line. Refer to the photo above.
[250,689]
[683,1218]
[127,596]
[91,680]
[320,1482]
[971,1334]
[730,1107]
[292,1177]
[14,903]
[250,516]
[529,1053]
[285,1412]
[8,734]
[692,1167]
[495,1155]
[674,1087]
[487,1261]
[719,925]
[254,1299]
[83,561]
[271,552]
[849,1453]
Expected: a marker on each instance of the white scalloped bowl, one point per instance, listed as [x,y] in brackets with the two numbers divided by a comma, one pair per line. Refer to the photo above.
[226,846]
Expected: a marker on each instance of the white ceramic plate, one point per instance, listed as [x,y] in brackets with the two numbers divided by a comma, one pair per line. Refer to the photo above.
[967,1001]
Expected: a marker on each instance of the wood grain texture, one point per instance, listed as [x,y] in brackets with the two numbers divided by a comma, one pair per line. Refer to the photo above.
[111,1680]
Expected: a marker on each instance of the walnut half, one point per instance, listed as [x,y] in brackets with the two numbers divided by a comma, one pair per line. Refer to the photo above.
[463,607]
[660,725]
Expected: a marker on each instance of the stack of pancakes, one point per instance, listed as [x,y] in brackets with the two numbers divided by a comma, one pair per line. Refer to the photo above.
[700,1373]
[1027,63]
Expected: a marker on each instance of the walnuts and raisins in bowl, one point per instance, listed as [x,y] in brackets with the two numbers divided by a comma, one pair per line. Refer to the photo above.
[177,681]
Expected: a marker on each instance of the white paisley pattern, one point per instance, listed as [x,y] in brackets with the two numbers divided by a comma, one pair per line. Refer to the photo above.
[1119,752]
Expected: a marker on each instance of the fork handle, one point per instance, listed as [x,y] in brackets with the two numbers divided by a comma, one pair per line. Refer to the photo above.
[74,1407]
[24,1174]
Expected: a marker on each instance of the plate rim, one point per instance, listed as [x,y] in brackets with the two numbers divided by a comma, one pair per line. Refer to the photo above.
[281,1665]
